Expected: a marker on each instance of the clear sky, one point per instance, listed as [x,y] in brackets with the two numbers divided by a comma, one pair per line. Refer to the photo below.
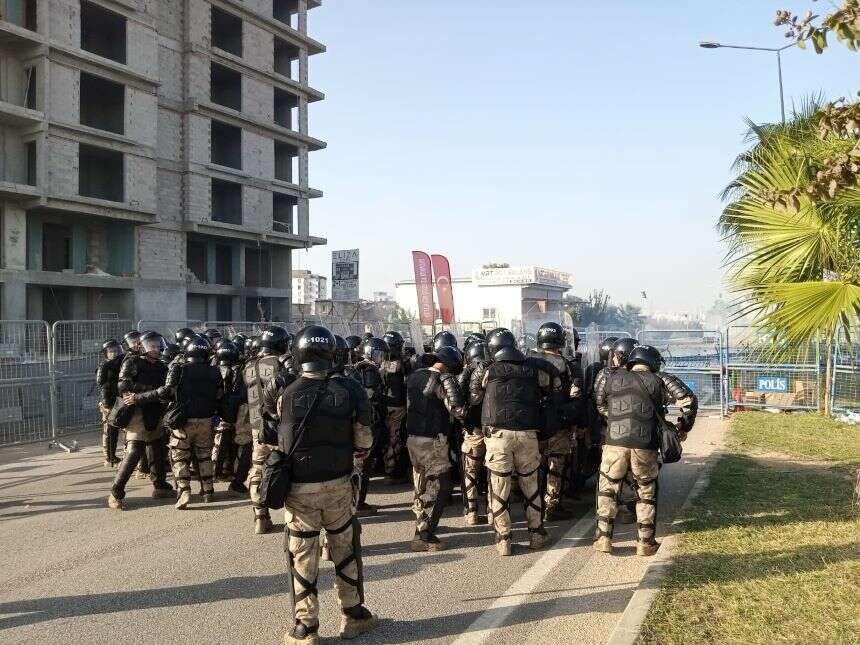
[544,133]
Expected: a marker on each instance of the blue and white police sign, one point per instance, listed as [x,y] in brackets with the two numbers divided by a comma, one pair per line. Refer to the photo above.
[771,384]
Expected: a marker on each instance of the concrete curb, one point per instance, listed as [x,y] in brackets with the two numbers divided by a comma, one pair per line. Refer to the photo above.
[630,624]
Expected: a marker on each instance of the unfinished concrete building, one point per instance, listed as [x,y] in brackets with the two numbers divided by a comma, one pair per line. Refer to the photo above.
[154,157]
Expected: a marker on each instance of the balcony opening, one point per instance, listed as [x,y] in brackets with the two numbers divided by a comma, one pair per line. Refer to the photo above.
[20,12]
[32,164]
[195,260]
[286,162]
[223,266]
[258,267]
[284,210]
[30,95]
[103,32]
[56,247]
[287,11]
[286,59]
[102,103]
[226,202]
[101,173]
[224,307]
[286,109]
[226,87]
[226,145]
[226,32]
[258,309]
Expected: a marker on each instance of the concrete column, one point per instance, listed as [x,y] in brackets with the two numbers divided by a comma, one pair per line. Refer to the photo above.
[14,303]
[303,17]
[14,230]
[303,115]
[240,267]
[303,168]
[210,262]
[303,217]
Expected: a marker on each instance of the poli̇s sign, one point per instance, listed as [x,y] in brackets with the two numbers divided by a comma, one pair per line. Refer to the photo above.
[771,384]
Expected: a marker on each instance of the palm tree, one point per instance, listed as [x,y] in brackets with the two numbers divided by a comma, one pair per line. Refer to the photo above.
[793,251]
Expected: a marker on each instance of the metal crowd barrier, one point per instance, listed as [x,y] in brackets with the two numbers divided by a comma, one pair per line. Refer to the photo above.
[48,388]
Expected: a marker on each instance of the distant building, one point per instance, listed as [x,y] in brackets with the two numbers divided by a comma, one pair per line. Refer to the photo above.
[382,296]
[308,287]
[516,297]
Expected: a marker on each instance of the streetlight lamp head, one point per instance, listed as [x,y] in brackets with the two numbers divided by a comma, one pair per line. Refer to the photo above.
[709,44]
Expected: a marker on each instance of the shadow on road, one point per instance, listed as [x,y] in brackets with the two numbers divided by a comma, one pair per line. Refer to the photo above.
[41,610]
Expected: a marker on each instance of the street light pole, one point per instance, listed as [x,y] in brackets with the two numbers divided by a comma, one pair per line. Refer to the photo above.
[708,44]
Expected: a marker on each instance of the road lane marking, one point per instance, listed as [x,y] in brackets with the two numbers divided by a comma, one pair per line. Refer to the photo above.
[515,595]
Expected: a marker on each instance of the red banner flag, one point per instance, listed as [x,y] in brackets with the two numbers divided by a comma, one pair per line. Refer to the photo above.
[442,272]
[424,287]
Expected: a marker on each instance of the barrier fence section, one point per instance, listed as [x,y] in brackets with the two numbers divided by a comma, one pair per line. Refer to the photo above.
[48,386]
[694,356]
[845,381]
[25,381]
[760,375]
[75,354]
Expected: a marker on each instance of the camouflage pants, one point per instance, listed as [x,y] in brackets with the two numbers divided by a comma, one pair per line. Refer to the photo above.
[195,437]
[258,458]
[509,452]
[393,422]
[556,453]
[429,462]
[309,509]
[614,467]
[110,436]
[473,450]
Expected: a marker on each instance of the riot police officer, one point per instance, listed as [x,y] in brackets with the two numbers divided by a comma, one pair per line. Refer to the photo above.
[444,339]
[141,374]
[562,415]
[353,343]
[258,371]
[107,379]
[195,391]
[233,432]
[394,381]
[327,416]
[631,399]
[367,372]
[473,448]
[434,397]
[512,392]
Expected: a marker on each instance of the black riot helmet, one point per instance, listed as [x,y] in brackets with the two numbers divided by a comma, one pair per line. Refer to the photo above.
[170,351]
[551,335]
[444,339]
[367,335]
[409,351]
[255,346]
[576,339]
[472,338]
[606,347]
[394,341]
[374,349]
[152,343]
[187,340]
[212,334]
[341,351]
[622,349]
[645,355]
[217,343]
[181,334]
[239,341]
[111,349]
[477,351]
[450,357]
[502,346]
[227,354]
[352,342]
[132,341]
[274,340]
[198,350]
[314,349]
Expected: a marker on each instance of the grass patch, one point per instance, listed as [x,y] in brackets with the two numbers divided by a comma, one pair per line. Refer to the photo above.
[806,435]
[768,554]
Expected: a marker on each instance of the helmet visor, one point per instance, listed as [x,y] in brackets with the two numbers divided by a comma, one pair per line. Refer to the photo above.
[112,352]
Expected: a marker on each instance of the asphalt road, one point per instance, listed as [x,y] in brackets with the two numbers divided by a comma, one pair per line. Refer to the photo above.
[72,571]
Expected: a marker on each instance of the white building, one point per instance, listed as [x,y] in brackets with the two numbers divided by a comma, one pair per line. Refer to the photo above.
[505,296]
[308,287]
